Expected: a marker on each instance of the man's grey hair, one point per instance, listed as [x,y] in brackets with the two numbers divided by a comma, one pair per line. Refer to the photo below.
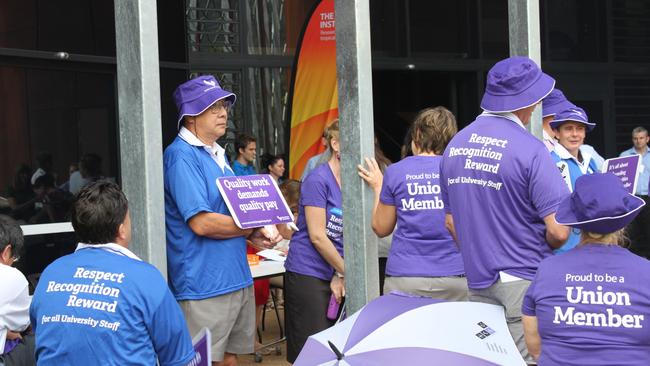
[11,233]
[639,130]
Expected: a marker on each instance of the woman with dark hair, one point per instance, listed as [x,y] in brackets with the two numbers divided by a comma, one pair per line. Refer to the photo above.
[273,165]
[591,305]
[20,196]
[314,266]
[423,259]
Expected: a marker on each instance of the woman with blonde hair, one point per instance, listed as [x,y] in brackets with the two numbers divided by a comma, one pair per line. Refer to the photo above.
[314,265]
[423,259]
[591,305]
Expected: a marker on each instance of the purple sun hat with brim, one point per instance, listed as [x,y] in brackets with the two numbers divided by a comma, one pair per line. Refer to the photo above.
[515,83]
[555,103]
[574,114]
[194,96]
[599,204]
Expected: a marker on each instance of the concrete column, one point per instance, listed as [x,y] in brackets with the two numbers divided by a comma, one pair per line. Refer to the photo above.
[354,75]
[138,86]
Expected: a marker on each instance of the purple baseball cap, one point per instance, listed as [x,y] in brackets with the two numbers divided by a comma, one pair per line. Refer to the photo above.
[515,83]
[555,103]
[194,96]
[598,204]
[574,114]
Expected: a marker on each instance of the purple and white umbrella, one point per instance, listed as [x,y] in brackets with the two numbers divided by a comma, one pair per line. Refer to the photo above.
[403,330]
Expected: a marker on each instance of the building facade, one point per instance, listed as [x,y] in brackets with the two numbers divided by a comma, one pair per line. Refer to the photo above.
[59,87]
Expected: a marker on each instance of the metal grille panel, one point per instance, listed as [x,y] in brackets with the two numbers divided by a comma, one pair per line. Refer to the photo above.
[213,26]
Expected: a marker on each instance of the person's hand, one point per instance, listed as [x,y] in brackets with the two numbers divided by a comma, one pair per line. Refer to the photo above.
[13,335]
[265,237]
[371,174]
[337,285]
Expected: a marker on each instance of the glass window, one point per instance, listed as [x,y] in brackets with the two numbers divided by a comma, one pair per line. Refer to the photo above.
[51,121]
[439,28]
[73,26]
[41,250]
[494,29]
[387,28]
[171,31]
[575,30]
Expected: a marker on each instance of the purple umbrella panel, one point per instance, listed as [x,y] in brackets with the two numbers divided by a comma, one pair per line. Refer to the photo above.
[400,330]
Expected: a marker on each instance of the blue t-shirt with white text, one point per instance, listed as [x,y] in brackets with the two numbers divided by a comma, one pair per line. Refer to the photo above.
[99,307]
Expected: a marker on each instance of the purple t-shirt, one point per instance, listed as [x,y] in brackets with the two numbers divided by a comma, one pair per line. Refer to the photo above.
[422,246]
[593,307]
[318,190]
[499,182]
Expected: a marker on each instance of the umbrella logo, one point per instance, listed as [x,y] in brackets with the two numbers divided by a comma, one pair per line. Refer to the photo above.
[485,332]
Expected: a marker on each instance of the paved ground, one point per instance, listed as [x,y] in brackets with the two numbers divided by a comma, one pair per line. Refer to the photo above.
[271,333]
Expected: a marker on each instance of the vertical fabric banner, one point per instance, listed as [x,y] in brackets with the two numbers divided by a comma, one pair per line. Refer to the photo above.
[314,91]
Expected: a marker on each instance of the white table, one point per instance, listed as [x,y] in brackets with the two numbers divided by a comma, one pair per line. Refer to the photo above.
[267,269]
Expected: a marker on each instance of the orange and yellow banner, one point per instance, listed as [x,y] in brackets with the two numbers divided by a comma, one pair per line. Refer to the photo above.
[314,97]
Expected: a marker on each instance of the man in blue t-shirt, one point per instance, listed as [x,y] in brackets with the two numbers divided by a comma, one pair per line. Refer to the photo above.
[102,305]
[246,147]
[206,251]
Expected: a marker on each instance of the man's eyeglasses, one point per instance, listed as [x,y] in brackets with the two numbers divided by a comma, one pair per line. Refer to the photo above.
[225,104]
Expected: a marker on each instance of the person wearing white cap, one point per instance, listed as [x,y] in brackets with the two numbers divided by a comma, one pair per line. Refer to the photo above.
[570,128]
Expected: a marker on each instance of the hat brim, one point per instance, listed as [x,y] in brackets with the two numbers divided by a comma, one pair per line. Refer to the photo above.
[200,104]
[559,122]
[556,108]
[529,97]
[601,225]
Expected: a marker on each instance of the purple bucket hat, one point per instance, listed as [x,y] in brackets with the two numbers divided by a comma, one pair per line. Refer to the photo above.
[574,114]
[555,103]
[196,95]
[515,83]
[599,204]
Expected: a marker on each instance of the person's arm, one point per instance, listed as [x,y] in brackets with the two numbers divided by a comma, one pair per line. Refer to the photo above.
[449,224]
[556,234]
[216,226]
[316,222]
[15,315]
[169,333]
[337,286]
[285,231]
[531,334]
[547,188]
[384,217]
